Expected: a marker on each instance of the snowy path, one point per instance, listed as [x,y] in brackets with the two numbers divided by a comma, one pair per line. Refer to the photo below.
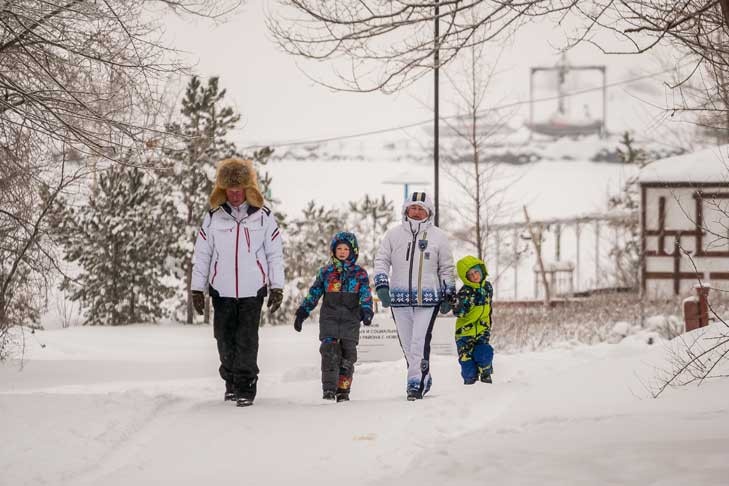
[143,406]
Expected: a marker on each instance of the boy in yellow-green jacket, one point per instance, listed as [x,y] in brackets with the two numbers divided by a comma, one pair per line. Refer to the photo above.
[472,306]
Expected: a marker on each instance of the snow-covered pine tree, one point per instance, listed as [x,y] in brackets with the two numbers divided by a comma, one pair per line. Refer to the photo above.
[305,250]
[123,240]
[202,133]
[370,218]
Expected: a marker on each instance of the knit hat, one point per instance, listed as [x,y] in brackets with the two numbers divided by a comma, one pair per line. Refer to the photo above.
[418,199]
[350,239]
[236,173]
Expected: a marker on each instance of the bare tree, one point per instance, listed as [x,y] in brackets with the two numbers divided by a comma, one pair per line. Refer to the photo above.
[80,82]
[27,194]
[387,45]
[471,133]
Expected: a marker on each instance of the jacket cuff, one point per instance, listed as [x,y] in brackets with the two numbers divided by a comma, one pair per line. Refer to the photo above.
[381,281]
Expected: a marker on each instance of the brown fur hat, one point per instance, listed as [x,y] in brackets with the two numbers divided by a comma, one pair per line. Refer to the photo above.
[236,173]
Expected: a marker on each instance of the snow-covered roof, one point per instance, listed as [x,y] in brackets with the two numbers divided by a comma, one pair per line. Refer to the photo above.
[708,165]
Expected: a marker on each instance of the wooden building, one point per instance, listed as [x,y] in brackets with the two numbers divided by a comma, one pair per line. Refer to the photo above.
[685,222]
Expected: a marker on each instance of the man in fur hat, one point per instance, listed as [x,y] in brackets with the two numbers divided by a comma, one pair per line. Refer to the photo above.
[239,259]
[414,274]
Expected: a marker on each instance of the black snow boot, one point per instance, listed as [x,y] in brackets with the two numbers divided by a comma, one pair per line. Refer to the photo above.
[328,395]
[230,395]
[244,402]
[486,378]
[342,395]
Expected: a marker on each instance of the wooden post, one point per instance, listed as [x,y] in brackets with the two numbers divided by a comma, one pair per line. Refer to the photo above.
[537,240]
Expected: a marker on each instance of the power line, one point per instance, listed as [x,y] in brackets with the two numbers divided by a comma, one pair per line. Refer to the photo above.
[480,112]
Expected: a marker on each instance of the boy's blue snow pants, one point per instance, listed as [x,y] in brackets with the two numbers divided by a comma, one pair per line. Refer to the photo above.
[475,356]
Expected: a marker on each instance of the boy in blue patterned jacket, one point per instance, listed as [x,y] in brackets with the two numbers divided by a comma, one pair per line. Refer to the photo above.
[347,301]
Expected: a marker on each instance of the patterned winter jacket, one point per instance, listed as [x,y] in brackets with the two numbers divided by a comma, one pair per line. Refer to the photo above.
[345,287]
[238,256]
[415,261]
[473,301]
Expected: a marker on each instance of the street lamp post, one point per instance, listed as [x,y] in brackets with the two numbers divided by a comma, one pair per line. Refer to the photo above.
[436,61]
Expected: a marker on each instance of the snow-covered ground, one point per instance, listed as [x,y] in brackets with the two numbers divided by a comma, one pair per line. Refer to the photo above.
[142,405]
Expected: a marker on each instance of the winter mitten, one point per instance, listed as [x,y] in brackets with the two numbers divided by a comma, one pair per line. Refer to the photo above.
[445,307]
[300,317]
[384,294]
[275,299]
[366,316]
[198,301]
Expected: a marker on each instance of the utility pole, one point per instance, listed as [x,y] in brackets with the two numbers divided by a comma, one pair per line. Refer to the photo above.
[436,61]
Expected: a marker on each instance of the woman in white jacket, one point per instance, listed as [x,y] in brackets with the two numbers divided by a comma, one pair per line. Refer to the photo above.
[414,275]
[239,259]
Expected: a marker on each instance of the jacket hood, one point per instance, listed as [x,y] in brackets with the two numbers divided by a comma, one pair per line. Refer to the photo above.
[348,238]
[419,199]
[466,263]
[236,173]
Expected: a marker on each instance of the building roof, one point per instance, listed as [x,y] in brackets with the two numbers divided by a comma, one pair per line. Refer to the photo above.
[707,165]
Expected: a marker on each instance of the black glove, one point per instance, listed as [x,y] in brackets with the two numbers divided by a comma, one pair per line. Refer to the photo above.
[300,317]
[198,301]
[274,299]
[365,316]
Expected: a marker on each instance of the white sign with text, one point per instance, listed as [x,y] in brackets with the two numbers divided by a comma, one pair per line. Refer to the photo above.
[379,341]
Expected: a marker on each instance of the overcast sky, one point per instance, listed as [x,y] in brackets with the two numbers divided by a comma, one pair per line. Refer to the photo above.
[278,102]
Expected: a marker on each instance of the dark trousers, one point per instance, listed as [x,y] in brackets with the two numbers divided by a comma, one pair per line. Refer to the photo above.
[236,330]
[337,363]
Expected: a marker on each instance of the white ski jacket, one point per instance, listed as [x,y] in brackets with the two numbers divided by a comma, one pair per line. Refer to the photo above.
[237,257]
[415,262]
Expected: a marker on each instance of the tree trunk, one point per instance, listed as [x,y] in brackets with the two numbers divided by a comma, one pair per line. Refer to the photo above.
[537,240]
[3,320]
[188,270]
[188,285]
[725,11]
[479,241]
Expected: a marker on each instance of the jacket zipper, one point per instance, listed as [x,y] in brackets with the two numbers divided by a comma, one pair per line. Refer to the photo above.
[237,237]
[483,309]
[420,273]
[410,273]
